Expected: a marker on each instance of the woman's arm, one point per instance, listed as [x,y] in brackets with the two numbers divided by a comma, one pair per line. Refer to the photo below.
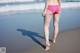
[59,2]
[45,8]
[46,4]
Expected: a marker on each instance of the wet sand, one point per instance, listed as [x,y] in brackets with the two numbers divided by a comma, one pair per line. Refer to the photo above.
[22,33]
[67,42]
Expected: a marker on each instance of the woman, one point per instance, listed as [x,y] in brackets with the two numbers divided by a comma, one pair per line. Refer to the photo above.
[52,7]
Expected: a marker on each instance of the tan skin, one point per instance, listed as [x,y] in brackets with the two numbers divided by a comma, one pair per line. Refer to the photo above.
[47,18]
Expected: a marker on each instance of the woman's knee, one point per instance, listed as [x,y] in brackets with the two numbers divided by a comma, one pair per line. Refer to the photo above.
[56,24]
[46,25]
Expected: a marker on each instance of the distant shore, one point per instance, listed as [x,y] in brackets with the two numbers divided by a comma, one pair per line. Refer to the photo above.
[72,1]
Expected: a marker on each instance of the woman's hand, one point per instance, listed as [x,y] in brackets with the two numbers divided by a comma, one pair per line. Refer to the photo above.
[44,13]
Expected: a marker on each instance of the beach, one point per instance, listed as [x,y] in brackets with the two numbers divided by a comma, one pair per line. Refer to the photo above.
[67,42]
[25,34]
[21,31]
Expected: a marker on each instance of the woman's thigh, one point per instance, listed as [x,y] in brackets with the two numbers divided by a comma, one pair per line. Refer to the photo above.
[47,18]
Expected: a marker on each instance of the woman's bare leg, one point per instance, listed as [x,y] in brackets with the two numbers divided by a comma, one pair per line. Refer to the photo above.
[47,19]
[56,26]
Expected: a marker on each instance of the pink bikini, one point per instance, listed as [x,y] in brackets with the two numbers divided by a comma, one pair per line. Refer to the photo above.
[54,8]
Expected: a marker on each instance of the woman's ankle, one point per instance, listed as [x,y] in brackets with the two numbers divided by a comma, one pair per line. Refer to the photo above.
[47,44]
[54,40]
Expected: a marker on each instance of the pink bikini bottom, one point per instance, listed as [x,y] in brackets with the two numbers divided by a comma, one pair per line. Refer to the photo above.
[54,8]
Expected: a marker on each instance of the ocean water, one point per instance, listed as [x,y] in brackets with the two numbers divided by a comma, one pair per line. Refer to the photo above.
[21,30]
[32,6]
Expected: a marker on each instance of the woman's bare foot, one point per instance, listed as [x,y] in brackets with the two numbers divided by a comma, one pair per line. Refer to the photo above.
[47,47]
[53,40]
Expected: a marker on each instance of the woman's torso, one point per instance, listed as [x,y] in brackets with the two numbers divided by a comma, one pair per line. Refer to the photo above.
[53,2]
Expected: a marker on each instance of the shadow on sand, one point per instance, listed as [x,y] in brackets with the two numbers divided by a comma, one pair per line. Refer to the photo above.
[32,35]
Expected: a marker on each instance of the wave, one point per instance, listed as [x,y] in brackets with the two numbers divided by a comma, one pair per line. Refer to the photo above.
[36,6]
[8,1]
